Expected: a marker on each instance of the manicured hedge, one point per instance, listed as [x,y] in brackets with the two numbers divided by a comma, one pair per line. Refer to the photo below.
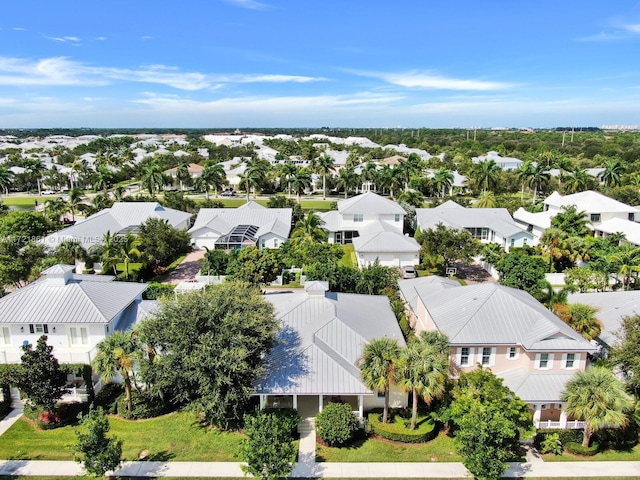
[566,436]
[397,430]
[578,449]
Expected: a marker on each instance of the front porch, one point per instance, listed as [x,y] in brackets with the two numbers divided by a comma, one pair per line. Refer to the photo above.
[553,416]
[310,405]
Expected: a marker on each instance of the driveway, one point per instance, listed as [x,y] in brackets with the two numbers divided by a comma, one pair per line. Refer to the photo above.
[473,274]
[188,268]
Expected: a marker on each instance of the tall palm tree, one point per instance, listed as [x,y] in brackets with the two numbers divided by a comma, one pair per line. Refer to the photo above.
[287,171]
[443,180]
[369,174]
[55,208]
[410,167]
[523,172]
[35,168]
[627,259]
[127,251]
[578,181]
[486,199]
[323,165]
[412,197]
[182,174]
[564,165]
[117,353]
[377,366]
[253,176]
[347,180]
[108,251]
[309,229]
[68,251]
[213,176]
[487,173]
[152,177]
[598,398]
[612,174]
[6,179]
[582,318]
[538,177]
[300,181]
[423,369]
[75,202]
[102,178]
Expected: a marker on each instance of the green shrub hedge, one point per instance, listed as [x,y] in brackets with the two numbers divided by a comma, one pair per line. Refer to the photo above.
[5,403]
[290,418]
[337,424]
[143,406]
[577,449]
[398,429]
[566,436]
[157,290]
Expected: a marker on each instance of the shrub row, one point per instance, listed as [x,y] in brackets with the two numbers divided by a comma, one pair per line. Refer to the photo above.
[577,449]
[398,431]
[566,436]
[157,290]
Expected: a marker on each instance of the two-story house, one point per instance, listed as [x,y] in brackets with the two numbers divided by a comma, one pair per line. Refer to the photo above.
[506,330]
[374,225]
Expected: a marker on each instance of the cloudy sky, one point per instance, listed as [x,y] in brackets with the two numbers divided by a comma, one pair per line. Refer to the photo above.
[310,63]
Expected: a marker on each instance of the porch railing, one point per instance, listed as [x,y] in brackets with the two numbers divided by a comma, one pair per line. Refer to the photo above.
[569,424]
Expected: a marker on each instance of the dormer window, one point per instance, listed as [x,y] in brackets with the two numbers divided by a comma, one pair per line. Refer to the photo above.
[595,217]
[358,217]
[632,217]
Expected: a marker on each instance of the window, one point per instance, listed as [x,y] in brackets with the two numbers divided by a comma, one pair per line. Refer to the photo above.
[38,328]
[632,217]
[529,228]
[262,243]
[358,217]
[275,242]
[512,353]
[513,242]
[524,241]
[78,336]
[464,356]
[571,360]
[380,395]
[545,361]
[595,217]
[486,356]
[5,336]
[399,217]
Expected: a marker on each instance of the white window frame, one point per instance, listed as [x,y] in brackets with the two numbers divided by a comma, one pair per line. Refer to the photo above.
[482,355]
[78,336]
[549,360]
[516,353]
[469,357]
[358,217]
[5,335]
[575,360]
[398,218]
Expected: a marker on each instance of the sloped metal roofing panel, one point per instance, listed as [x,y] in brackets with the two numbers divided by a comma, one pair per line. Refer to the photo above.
[370,203]
[536,387]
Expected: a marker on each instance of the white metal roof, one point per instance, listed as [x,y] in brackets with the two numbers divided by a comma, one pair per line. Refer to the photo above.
[369,203]
[589,201]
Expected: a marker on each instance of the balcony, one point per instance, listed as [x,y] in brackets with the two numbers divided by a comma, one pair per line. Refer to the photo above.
[568,424]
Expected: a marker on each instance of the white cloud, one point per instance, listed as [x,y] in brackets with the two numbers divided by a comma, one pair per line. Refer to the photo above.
[632,28]
[101,38]
[249,4]
[19,29]
[425,80]
[146,37]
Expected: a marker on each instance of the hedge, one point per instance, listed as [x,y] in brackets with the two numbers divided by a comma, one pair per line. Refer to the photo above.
[5,403]
[157,290]
[577,449]
[399,432]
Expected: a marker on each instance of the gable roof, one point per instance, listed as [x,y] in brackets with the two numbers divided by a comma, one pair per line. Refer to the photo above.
[78,300]
[321,341]
[385,241]
[120,216]
[492,314]
[536,387]
[630,229]
[369,203]
[590,202]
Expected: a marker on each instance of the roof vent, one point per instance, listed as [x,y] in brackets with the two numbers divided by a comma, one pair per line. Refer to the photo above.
[58,274]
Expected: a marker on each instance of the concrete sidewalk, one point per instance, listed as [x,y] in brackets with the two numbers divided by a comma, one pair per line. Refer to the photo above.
[328,470]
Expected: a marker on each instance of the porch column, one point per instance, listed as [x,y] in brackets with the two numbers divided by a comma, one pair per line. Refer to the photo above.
[262,401]
[320,403]
[360,406]
[295,402]
[537,414]
[563,418]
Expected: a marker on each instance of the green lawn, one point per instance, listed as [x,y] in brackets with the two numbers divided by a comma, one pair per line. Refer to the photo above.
[176,437]
[349,258]
[440,449]
[606,456]
[26,201]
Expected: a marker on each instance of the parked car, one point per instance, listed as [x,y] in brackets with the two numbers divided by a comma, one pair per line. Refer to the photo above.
[409,272]
[47,192]
[228,193]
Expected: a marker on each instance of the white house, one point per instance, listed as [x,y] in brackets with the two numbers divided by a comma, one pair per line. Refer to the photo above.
[76,312]
[374,225]
[505,163]
[316,355]
[233,228]
[489,225]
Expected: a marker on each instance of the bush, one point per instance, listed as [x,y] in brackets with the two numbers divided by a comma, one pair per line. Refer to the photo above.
[157,290]
[336,424]
[6,399]
[64,414]
[143,407]
[621,439]
[398,430]
[577,449]
[289,419]
[565,436]
[552,444]
[107,399]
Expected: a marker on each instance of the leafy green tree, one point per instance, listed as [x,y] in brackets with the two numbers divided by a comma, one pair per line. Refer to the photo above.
[423,369]
[161,242]
[68,251]
[208,349]
[337,424]
[97,452]
[117,353]
[522,271]
[215,261]
[374,278]
[255,266]
[598,398]
[625,354]
[582,279]
[571,222]
[377,367]
[24,226]
[490,421]
[41,379]
[451,244]
[268,449]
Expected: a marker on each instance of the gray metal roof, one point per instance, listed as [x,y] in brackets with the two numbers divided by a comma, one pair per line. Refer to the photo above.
[454,215]
[370,203]
[80,300]
[321,340]
[536,387]
[492,314]
[385,242]
[414,288]
[612,307]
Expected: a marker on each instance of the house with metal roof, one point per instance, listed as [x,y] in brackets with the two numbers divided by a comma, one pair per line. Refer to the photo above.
[121,218]
[374,224]
[316,355]
[489,225]
[505,163]
[75,311]
[506,330]
[235,228]
[599,209]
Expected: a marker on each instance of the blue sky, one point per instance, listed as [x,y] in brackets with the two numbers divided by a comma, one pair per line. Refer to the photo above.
[308,63]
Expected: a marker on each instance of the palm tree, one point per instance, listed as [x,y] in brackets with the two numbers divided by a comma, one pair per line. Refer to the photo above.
[323,165]
[598,398]
[300,181]
[409,167]
[6,179]
[523,172]
[486,199]
[68,251]
[412,197]
[578,181]
[75,202]
[612,175]
[552,299]
[55,208]
[443,180]
[370,174]
[487,174]
[582,318]
[213,176]
[377,367]
[102,179]
[423,369]
[627,259]
[253,176]
[309,229]
[347,180]
[108,252]
[538,177]
[563,164]
[35,168]
[182,174]
[127,251]
[117,353]
[287,171]
[152,177]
